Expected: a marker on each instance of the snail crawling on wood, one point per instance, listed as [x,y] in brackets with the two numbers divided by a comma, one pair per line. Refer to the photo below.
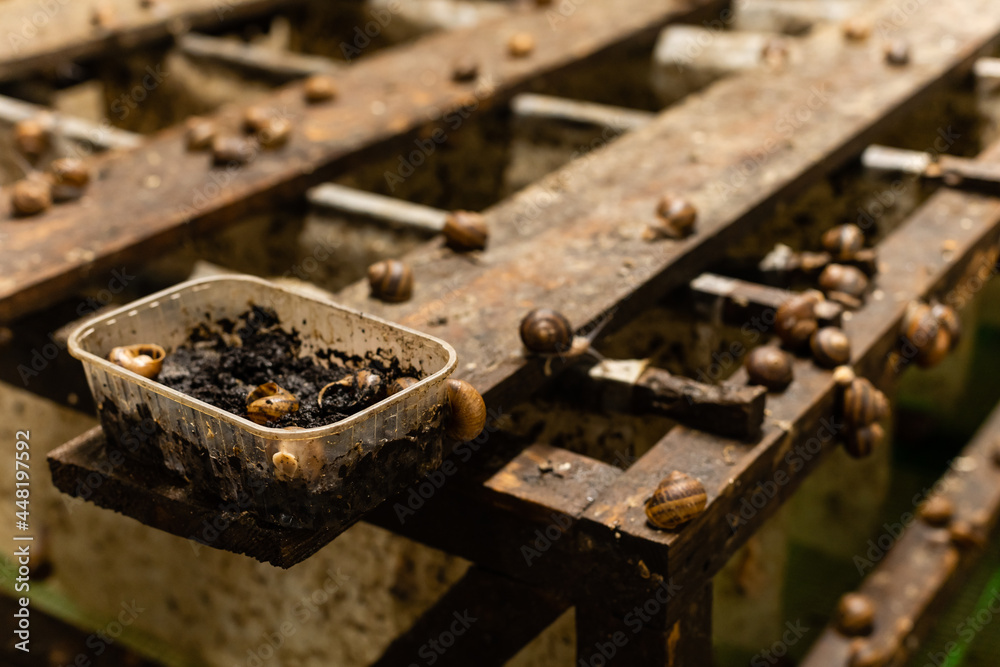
[391,280]
[929,333]
[770,367]
[844,283]
[678,499]
[466,230]
[145,359]
[797,319]
[863,407]
[843,241]
[677,219]
[830,347]
[70,177]
[270,402]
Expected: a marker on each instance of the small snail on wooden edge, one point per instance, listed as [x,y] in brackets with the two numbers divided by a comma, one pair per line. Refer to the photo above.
[30,196]
[929,333]
[796,321]
[863,406]
[145,359]
[466,230]
[391,280]
[466,411]
[855,614]
[319,88]
[548,334]
[31,137]
[830,347]
[269,402]
[845,284]
[770,367]
[843,241]
[678,499]
[677,216]
[70,177]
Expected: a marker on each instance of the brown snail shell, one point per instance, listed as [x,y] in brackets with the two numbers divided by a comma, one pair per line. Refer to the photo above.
[286,465]
[937,510]
[863,440]
[925,332]
[848,280]
[856,29]
[319,88]
[391,280]
[274,133]
[465,69]
[227,150]
[200,133]
[863,403]
[70,177]
[868,654]
[678,499]
[545,331]
[897,52]
[30,196]
[401,384]
[269,402]
[364,386]
[966,535]
[795,320]
[830,347]
[520,44]
[855,614]
[467,411]
[466,230]
[145,359]
[843,241]
[949,321]
[770,367]
[678,217]
[31,137]
[256,118]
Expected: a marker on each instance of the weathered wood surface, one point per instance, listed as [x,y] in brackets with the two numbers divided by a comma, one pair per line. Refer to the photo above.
[100,137]
[746,304]
[149,198]
[44,35]
[914,580]
[273,64]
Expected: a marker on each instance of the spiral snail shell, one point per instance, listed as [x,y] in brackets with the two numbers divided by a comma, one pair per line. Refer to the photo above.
[200,133]
[31,137]
[861,441]
[466,230]
[391,280]
[770,367]
[927,334]
[364,386]
[843,241]
[843,279]
[795,320]
[678,217]
[145,359]
[319,88]
[274,133]
[937,510]
[855,614]
[30,196]
[678,499]
[232,150]
[269,402]
[949,320]
[256,118]
[467,411]
[520,44]
[830,347]
[70,177]
[863,403]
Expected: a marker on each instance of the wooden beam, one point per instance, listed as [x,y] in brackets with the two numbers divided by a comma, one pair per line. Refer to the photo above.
[275,64]
[563,110]
[98,136]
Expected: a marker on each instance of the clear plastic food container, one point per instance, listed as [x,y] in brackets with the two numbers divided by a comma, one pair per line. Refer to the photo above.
[326,476]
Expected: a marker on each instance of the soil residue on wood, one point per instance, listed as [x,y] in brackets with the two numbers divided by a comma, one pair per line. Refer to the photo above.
[224,361]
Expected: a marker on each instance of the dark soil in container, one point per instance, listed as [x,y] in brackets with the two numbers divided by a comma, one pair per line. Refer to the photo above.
[222,362]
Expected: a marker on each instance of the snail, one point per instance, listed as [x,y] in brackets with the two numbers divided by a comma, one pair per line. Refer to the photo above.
[70,177]
[286,465]
[227,150]
[145,359]
[770,367]
[465,69]
[466,230]
[949,321]
[677,219]
[677,499]
[855,614]
[856,29]
[30,196]
[546,332]
[830,347]
[274,133]
[256,118]
[520,44]
[843,241]
[846,284]
[364,385]
[795,320]
[467,411]
[269,402]
[200,133]
[897,52]
[870,654]
[401,384]
[863,403]
[319,88]
[861,441]
[31,137]
[966,535]
[924,331]
[391,280]
[937,510]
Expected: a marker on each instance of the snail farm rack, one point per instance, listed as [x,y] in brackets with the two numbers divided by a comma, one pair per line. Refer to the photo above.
[572,242]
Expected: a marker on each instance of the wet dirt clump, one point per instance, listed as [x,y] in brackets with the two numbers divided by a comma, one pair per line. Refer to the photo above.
[222,362]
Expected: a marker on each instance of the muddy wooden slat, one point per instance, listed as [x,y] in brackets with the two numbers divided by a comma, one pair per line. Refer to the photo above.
[100,137]
[573,241]
[913,582]
[752,304]
[44,35]
[489,617]
[944,251]
[148,198]
[275,64]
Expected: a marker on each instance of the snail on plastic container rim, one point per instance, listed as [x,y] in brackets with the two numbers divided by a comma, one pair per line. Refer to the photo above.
[145,359]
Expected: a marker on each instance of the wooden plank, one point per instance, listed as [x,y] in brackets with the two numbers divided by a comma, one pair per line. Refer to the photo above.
[98,136]
[954,171]
[746,484]
[276,64]
[149,198]
[745,303]
[44,35]
[923,567]
[483,619]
